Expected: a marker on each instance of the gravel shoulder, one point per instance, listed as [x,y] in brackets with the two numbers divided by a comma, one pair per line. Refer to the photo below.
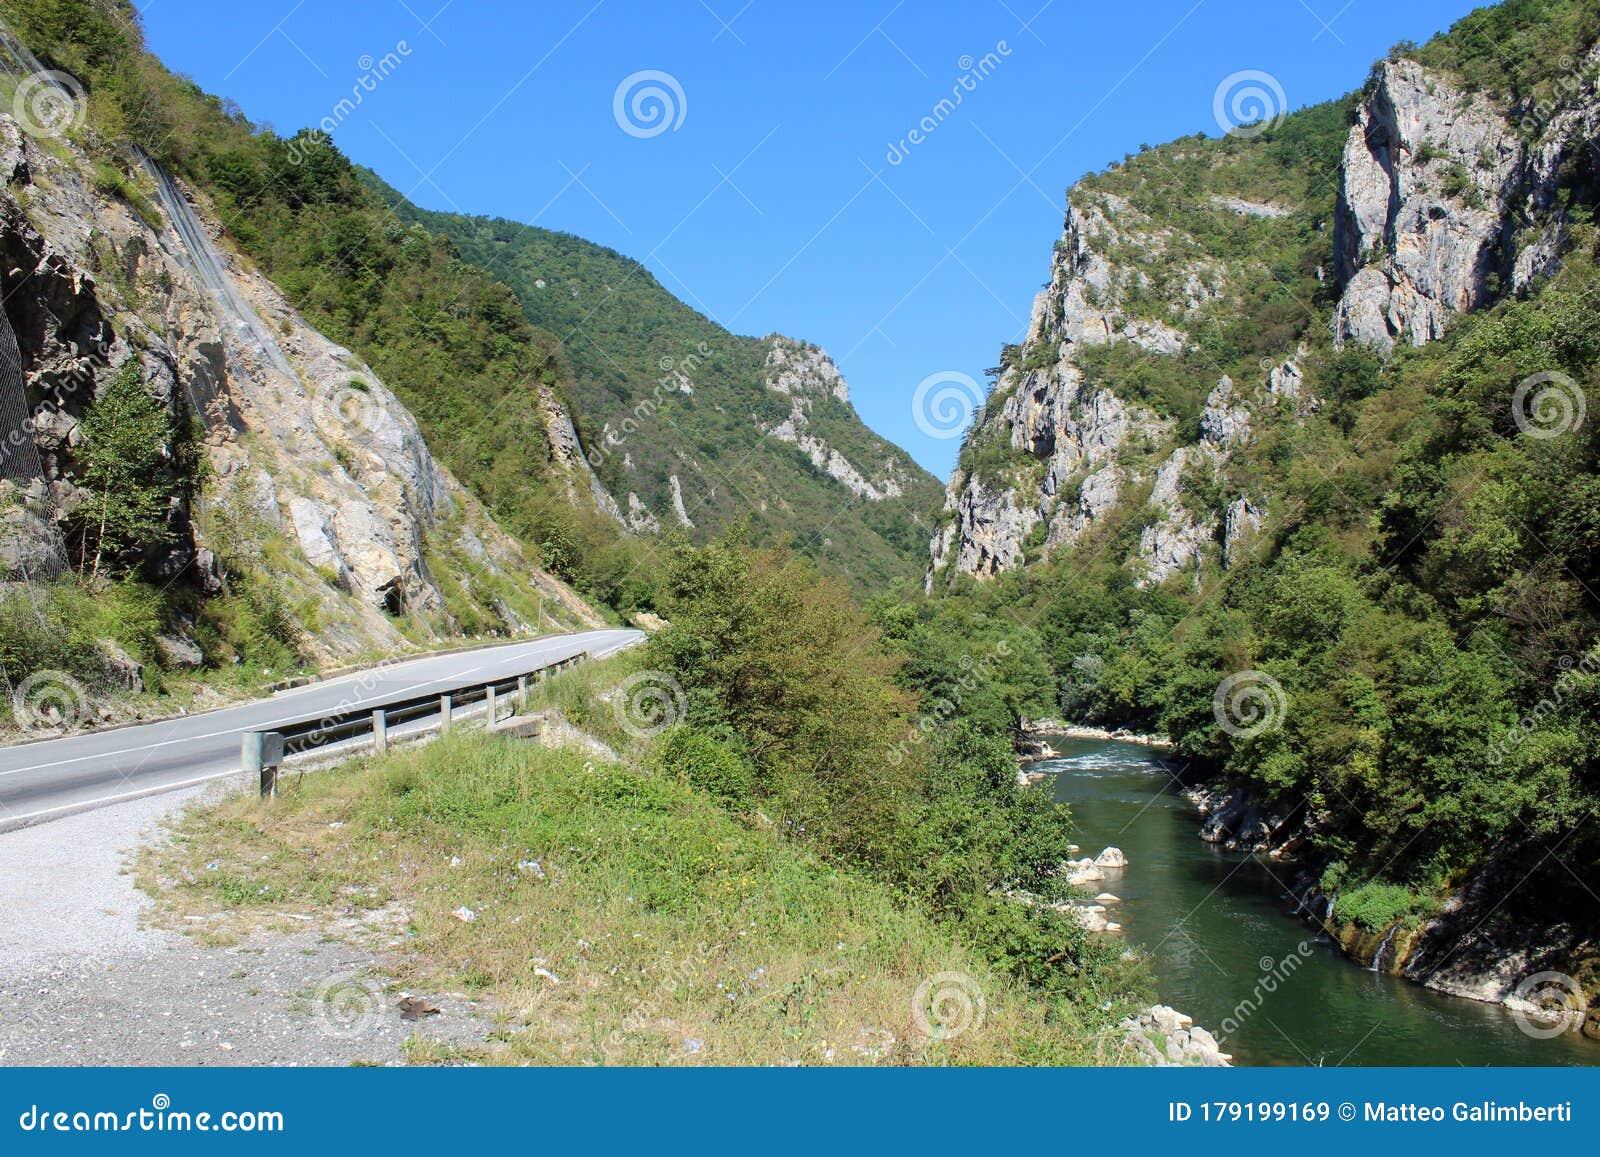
[85,979]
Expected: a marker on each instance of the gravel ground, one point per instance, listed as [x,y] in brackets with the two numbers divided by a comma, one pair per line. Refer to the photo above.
[83,982]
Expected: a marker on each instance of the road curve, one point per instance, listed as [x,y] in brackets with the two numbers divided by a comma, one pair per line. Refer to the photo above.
[40,781]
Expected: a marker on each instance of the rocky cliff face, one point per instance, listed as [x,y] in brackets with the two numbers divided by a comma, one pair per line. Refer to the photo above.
[1072,448]
[1444,203]
[307,447]
[1447,201]
[1428,175]
[566,454]
[806,375]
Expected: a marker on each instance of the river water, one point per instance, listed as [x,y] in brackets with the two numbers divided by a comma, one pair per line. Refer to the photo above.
[1214,924]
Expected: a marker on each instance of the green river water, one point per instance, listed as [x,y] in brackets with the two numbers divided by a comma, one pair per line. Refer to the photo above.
[1213,924]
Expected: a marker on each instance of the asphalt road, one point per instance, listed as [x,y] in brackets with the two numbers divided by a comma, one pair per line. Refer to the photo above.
[40,781]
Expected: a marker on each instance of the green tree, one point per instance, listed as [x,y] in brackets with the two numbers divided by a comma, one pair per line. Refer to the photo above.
[126,467]
[785,658]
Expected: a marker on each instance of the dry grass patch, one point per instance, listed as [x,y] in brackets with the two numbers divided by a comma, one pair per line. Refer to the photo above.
[613,917]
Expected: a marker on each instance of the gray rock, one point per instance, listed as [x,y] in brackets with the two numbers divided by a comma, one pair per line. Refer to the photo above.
[1240,525]
[1176,539]
[13,153]
[122,670]
[1427,175]
[1226,421]
[1225,816]
[639,517]
[179,651]
[30,544]
[314,532]
[807,376]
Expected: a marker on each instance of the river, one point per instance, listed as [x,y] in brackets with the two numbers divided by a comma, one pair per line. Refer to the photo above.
[1213,924]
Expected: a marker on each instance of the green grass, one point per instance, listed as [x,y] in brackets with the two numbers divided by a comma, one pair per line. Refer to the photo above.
[1375,906]
[680,933]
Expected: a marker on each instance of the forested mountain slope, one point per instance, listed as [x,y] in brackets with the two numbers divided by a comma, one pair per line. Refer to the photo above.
[449,340]
[1298,464]
[694,427]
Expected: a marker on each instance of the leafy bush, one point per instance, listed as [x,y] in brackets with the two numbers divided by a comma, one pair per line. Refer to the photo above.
[46,628]
[782,656]
[1375,906]
[798,703]
[707,759]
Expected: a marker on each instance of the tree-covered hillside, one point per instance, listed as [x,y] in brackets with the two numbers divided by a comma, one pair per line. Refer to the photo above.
[662,391]
[424,299]
[1393,629]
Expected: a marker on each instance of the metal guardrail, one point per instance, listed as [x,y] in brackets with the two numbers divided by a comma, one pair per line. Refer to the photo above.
[262,753]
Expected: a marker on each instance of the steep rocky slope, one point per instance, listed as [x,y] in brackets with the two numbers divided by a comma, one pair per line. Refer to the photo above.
[315,468]
[1192,283]
[694,428]
[1297,465]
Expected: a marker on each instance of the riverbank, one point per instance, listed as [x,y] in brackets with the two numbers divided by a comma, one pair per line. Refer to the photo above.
[1216,928]
[608,917]
[1522,956]
[1056,727]
[1471,943]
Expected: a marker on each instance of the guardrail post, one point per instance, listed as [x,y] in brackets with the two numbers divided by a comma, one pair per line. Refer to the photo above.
[380,731]
[261,754]
[490,707]
[522,695]
[444,713]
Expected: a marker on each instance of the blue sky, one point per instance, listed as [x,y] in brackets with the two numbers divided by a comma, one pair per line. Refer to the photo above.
[771,203]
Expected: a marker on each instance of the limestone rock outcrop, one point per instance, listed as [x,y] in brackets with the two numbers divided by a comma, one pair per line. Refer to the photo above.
[1446,201]
[305,443]
[808,377]
[1427,175]
[1072,446]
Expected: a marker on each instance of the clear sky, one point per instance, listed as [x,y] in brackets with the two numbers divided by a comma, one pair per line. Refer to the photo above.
[771,201]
